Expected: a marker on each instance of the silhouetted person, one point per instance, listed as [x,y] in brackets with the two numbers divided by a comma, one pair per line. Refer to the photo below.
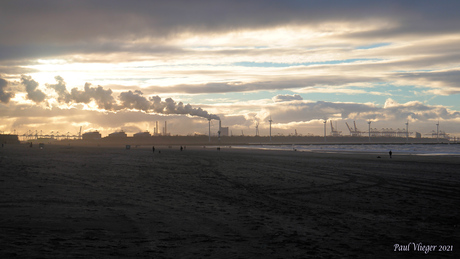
[181,148]
[390,153]
[153,149]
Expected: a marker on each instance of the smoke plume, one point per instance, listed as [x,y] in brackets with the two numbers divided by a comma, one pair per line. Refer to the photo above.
[135,100]
[33,93]
[127,100]
[4,96]
[103,98]
[60,88]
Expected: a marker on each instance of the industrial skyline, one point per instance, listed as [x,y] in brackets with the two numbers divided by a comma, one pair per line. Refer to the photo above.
[332,131]
[259,67]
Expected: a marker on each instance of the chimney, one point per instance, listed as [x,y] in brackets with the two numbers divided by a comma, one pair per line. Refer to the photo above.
[220,128]
[209,125]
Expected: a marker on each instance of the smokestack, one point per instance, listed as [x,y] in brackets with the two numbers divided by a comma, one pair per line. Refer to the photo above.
[209,125]
[220,129]
[157,128]
[166,131]
[270,120]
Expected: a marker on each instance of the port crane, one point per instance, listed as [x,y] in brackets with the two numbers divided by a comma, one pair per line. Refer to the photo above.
[353,132]
[334,131]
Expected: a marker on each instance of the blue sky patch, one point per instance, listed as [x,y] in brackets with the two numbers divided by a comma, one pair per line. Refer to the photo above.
[373,46]
[273,64]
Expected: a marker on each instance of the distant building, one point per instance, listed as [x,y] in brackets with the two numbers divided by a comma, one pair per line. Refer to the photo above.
[418,135]
[224,131]
[91,135]
[9,139]
[120,134]
[142,135]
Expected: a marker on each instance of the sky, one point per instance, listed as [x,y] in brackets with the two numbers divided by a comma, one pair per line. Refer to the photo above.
[113,65]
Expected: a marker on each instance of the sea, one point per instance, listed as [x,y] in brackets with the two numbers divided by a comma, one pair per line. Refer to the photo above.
[409,149]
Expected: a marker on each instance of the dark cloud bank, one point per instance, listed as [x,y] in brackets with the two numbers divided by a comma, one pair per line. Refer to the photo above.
[33,29]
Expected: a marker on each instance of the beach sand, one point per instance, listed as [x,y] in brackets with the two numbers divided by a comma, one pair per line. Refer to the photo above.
[100,202]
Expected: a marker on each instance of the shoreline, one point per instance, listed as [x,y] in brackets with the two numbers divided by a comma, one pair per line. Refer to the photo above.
[401,154]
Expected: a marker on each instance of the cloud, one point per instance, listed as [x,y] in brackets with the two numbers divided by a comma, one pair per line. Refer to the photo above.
[287,98]
[390,103]
[450,78]
[127,26]
[283,112]
[264,83]
[415,110]
[179,39]
[4,96]
[163,18]
[11,68]
[33,93]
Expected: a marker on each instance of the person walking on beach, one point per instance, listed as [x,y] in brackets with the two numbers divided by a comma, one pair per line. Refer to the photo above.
[153,149]
[390,153]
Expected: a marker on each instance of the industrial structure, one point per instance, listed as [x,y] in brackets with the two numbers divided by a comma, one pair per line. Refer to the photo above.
[160,132]
[144,134]
[92,135]
[223,131]
[354,132]
[270,120]
[118,134]
[30,135]
[334,131]
[374,132]
[9,139]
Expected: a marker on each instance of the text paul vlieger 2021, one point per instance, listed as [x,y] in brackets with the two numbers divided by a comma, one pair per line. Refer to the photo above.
[419,247]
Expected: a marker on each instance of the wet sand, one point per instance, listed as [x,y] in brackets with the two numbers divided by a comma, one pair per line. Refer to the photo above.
[81,202]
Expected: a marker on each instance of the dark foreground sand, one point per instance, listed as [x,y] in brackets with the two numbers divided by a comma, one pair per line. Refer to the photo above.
[79,202]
